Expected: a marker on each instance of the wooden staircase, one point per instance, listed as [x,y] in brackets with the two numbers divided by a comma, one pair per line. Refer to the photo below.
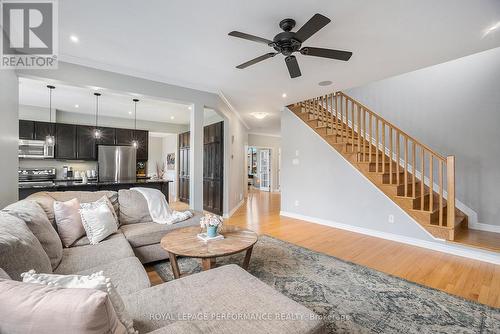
[416,178]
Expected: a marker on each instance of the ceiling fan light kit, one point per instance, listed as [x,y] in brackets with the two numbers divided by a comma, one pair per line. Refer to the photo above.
[289,42]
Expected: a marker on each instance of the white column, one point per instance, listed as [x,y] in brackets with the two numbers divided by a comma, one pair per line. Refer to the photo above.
[196,157]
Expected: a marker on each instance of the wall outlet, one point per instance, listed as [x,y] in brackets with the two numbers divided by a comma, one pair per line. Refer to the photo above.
[241,196]
[391,219]
[296,203]
[296,153]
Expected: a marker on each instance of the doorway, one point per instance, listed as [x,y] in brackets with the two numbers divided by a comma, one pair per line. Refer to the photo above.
[259,168]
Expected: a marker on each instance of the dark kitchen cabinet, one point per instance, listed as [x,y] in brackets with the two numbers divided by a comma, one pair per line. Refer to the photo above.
[66,142]
[44,129]
[183,157]
[124,136]
[107,136]
[85,143]
[142,138]
[213,162]
[26,129]
[77,142]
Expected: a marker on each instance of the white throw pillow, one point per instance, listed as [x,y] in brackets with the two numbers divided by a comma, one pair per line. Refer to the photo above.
[98,221]
[95,281]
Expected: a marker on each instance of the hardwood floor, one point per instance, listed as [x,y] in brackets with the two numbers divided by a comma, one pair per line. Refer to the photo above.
[470,279]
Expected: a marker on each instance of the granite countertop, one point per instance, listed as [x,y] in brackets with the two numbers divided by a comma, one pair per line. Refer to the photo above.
[73,183]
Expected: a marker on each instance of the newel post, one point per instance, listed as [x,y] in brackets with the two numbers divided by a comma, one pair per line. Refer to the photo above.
[450,176]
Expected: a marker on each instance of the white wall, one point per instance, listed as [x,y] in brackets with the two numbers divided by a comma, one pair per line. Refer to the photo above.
[323,185]
[155,154]
[118,122]
[274,143]
[170,146]
[9,137]
[454,108]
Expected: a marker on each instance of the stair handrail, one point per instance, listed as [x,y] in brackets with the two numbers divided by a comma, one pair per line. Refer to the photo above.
[336,105]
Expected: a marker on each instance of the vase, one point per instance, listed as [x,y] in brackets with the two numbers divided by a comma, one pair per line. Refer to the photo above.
[212,231]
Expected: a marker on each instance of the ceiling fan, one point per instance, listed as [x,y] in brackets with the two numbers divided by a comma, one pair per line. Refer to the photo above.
[288,42]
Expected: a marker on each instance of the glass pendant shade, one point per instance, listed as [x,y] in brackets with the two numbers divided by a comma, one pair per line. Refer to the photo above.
[97,131]
[49,139]
[135,143]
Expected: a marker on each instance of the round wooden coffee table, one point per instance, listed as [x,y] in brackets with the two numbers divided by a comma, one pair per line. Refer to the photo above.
[185,242]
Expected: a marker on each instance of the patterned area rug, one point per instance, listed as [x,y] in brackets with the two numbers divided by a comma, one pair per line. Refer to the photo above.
[352,298]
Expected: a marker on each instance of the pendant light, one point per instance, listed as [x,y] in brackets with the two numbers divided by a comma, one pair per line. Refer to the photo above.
[135,143]
[97,132]
[49,139]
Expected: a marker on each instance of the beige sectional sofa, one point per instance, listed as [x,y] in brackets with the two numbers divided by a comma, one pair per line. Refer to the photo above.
[222,300]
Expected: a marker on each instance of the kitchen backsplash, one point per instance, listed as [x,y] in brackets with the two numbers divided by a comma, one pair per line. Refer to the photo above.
[58,164]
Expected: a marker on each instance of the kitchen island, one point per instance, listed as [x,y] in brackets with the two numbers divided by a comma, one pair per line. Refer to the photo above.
[70,185]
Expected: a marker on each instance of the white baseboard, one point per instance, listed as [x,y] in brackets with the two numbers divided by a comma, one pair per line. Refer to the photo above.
[228,215]
[440,246]
[484,227]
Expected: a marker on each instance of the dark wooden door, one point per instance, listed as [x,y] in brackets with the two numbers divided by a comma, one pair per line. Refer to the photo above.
[26,129]
[124,136]
[213,162]
[183,156]
[142,138]
[44,129]
[85,143]
[65,141]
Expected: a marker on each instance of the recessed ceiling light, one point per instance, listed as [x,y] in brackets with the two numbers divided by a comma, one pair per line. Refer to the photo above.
[190,108]
[283,95]
[77,106]
[130,113]
[325,83]
[172,117]
[74,38]
[259,115]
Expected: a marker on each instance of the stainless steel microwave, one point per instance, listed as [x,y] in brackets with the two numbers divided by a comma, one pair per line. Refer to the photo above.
[35,149]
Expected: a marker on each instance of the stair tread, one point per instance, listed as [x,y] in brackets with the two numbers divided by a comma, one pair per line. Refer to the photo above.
[336,128]
[479,239]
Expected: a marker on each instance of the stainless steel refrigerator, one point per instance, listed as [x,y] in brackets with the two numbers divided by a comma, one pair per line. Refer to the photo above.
[117,163]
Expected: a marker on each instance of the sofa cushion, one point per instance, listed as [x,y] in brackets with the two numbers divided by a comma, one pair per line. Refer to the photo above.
[133,207]
[46,199]
[142,234]
[68,221]
[36,308]
[128,275]
[228,290]
[98,220]
[80,258]
[83,241]
[20,250]
[36,220]
[96,281]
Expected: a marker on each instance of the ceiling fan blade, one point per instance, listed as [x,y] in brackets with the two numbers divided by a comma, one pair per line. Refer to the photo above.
[256,60]
[293,66]
[311,27]
[250,37]
[326,53]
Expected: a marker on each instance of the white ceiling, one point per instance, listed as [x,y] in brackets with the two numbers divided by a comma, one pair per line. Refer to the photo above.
[33,92]
[185,42]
